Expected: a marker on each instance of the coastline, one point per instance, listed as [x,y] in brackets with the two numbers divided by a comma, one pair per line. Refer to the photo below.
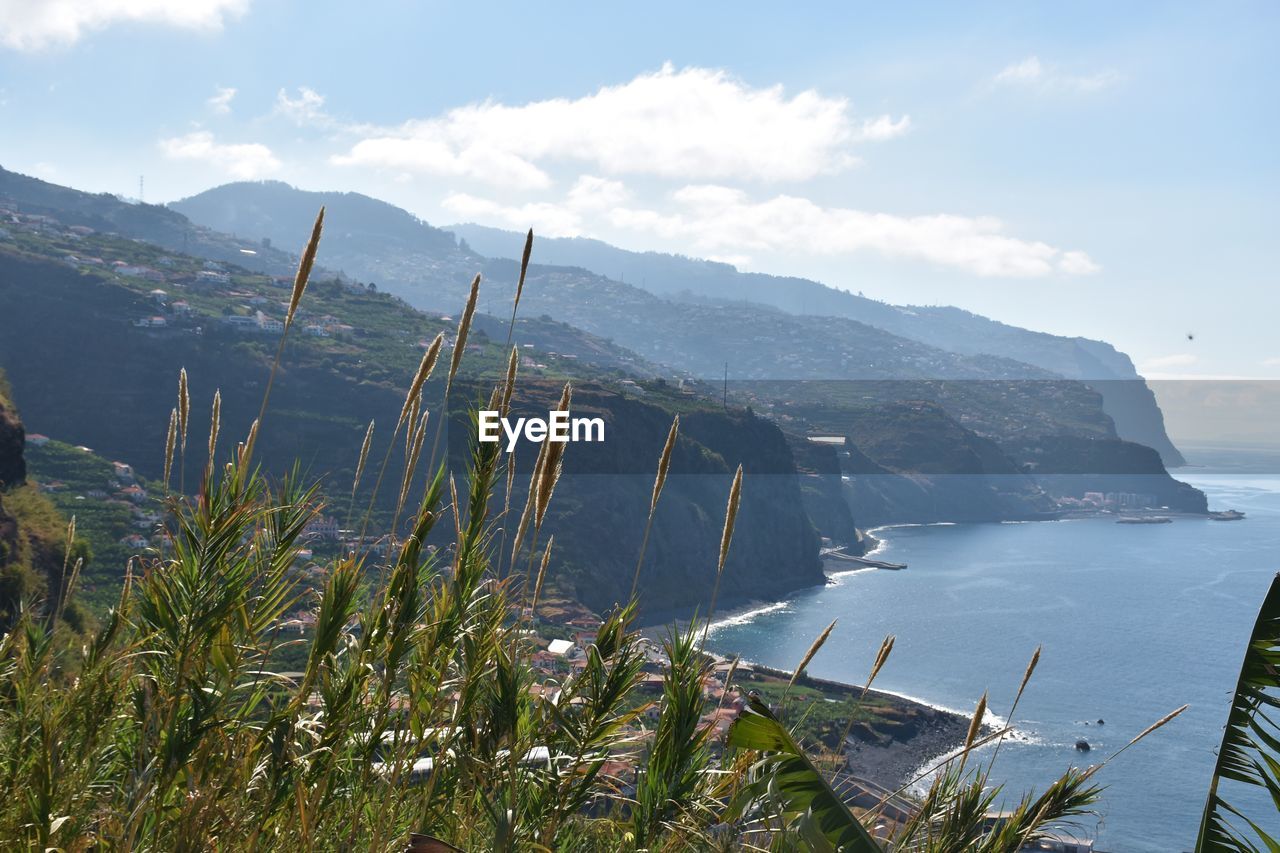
[889,759]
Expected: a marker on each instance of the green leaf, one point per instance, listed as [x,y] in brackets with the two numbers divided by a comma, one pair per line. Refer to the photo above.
[814,810]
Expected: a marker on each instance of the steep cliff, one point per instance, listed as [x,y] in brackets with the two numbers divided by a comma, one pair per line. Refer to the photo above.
[108,384]
[32,532]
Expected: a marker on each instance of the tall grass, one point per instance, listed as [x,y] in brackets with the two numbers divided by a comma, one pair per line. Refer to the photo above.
[417,711]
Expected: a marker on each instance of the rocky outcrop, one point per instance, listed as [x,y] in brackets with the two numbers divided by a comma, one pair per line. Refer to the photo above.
[13,468]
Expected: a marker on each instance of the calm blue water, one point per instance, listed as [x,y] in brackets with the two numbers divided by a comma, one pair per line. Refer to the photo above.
[1135,620]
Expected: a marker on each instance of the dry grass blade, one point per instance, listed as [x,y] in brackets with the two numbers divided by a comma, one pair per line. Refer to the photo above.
[184,406]
[364,457]
[457,513]
[882,656]
[524,268]
[509,388]
[1026,676]
[169,443]
[1160,723]
[305,263]
[542,576]
[886,648]
[664,463]
[551,467]
[246,449]
[813,650]
[1026,679]
[521,528]
[975,726]
[425,367]
[730,517]
[215,423]
[464,327]
[411,461]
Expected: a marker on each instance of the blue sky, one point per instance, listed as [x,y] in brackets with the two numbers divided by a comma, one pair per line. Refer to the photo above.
[1106,169]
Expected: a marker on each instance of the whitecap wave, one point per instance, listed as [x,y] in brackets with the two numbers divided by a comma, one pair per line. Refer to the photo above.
[747,616]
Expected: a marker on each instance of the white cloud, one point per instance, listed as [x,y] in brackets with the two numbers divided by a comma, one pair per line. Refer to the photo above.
[1181,359]
[1271,362]
[245,161]
[590,195]
[1077,263]
[719,221]
[1032,73]
[220,102]
[691,123]
[32,25]
[306,109]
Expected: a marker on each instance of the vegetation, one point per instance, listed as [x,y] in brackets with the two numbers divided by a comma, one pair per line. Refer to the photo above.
[1250,751]
[416,709]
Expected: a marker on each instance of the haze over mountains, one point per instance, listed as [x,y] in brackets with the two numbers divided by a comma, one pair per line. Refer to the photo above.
[689,314]
[839,423]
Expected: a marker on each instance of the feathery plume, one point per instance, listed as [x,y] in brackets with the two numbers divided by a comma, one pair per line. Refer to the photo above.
[883,655]
[510,385]
[364,456]
[411,463]
[730,517]
[1160,723]
[419,379]
[735,493]
[170,440]
[813,650]
[305,263]
[464,326]
[551,468]
[664,463]
[975,726]
[184,406]
[542,576]
[246,449]
[524,268]
[215,423]
[538,465]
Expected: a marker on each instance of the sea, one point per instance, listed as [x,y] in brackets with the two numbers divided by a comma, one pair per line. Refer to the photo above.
[1134,621]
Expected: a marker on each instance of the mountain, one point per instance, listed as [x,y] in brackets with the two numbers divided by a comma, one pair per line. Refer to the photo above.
[776,358]
[842,376]
[1126,398]
[94,351]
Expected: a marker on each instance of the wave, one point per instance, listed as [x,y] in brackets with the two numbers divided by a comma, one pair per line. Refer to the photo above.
[873,530]
[747,616]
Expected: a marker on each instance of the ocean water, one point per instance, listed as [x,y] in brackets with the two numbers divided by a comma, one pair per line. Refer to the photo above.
[1134,620]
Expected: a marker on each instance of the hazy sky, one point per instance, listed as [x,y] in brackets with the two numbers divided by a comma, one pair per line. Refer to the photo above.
[1105,169]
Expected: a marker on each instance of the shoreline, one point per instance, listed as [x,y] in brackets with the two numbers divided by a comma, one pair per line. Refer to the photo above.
[892,761]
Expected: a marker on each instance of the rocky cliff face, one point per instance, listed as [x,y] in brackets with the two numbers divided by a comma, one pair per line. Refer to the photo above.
[13,468]
[104,383]
[1069,466]
[602,500]
[912,462]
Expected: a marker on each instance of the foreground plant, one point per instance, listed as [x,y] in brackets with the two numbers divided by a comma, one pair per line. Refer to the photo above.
[1250,751]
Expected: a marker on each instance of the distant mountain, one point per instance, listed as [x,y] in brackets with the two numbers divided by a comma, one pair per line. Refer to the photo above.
[273,210]
[765,348]
[151,222]
[1126,397]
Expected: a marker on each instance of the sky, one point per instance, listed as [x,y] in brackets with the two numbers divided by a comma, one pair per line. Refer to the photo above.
[1098,169]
